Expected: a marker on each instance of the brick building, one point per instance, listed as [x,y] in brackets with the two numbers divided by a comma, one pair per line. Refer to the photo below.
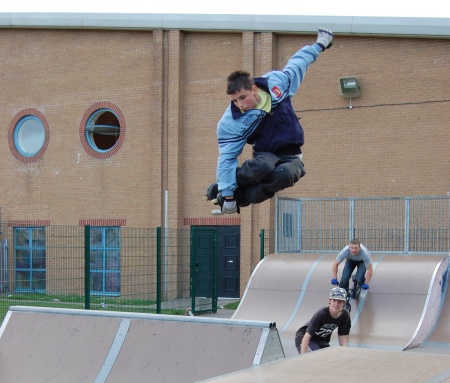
[155,84]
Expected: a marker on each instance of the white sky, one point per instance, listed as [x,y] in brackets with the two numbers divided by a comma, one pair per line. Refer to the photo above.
[400,8]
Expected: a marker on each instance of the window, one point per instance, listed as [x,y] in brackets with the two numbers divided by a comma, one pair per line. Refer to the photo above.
[287,225]
[105,260]
[102,130]
[29,135]
[30,259]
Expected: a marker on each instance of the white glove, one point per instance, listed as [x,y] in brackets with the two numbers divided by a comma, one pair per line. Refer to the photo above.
[324,38]
[229,206]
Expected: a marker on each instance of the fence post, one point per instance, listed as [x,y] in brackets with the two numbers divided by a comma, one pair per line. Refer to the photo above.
[300,225]
[158,270]
[87,267]
[407,219]
[261,244]
[352,219]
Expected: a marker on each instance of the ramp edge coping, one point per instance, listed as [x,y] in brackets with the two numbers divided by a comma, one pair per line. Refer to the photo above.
[427,303]
[128,315]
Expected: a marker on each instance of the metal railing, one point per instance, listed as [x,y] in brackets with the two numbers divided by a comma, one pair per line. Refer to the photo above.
[394,225]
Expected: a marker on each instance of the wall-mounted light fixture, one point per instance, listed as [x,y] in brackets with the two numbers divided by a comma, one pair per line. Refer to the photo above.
[349,87]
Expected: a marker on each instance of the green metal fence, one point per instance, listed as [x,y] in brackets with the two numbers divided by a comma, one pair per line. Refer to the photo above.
[123,269]
[145,270]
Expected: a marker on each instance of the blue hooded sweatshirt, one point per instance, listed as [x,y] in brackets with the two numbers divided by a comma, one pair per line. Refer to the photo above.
[278,132]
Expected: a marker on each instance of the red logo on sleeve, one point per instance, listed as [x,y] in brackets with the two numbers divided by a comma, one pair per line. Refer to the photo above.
[276,92]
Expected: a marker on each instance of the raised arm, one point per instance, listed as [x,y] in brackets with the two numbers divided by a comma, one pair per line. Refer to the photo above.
[294,72]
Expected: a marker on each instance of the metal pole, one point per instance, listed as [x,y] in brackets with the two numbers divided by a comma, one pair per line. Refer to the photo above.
[87,267]
[166,243]
[277,224]
[300,225]
[352,219]
[158,270]
[407,219]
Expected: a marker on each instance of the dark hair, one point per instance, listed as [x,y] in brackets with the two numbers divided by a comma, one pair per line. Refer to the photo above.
[355,241]
[238,80]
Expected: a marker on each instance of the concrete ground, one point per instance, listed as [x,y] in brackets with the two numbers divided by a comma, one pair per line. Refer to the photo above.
[221,312]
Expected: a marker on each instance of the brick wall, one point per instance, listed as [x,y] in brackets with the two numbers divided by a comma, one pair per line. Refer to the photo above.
[170,88]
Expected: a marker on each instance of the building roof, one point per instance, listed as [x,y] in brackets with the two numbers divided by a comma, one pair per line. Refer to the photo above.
[415,27]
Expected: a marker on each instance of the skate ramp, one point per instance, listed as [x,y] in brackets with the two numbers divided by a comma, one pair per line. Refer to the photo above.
[441,333]
[351,365]
[439,340]
[276,286]
[403,307]
[400,310]
[58,345]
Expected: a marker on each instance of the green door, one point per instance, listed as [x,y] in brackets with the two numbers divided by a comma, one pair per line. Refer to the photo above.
[204,268]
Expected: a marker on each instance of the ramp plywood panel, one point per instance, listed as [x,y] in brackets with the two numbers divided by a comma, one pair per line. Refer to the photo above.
[388,320]
[60,345]
[316,295]
[183,351]
[440,338]
[442,331]
[37,347]
[277,287]
[278,311]
[351,365]
[402,305]
[400,310]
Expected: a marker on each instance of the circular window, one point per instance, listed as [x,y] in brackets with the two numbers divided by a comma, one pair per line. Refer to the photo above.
[28,135]
[102,130]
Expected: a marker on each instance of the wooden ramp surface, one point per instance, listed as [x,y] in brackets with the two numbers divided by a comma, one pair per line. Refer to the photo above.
[400,310]
[439,340]
[406,308]
[55,345]
[346,364]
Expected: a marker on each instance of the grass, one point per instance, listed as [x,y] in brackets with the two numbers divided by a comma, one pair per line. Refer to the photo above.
[231,306]
[53,298]
[104,303]
[117,304]
[97,303]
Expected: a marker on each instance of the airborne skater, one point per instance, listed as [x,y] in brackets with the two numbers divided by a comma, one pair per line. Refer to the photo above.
[261,114]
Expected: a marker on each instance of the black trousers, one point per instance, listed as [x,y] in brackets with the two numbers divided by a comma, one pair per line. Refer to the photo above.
[312,345]
[266,174]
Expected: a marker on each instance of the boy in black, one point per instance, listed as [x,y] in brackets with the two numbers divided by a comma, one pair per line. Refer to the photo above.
[317,332]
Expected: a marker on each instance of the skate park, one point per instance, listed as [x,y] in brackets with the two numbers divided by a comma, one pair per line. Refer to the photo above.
[399,311]
[400,332]
[400,326]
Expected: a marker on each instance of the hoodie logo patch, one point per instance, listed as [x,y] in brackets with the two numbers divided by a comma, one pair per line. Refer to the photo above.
[276,92]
